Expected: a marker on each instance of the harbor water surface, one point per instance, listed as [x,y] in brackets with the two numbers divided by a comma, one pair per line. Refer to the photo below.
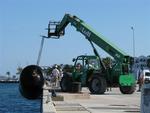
[11,100]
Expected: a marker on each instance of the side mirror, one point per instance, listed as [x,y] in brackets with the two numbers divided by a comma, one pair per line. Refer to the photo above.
[73,60]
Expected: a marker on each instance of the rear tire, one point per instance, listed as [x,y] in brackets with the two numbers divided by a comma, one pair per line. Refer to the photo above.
[97,85]
[66,84]
[127,89]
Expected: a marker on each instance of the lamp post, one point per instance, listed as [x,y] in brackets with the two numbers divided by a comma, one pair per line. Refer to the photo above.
[41,48]
[132,28]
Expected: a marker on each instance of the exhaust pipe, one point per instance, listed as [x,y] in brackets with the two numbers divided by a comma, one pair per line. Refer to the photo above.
[31,82]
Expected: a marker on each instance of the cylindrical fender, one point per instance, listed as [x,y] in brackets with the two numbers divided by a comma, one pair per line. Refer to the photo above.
[31,82]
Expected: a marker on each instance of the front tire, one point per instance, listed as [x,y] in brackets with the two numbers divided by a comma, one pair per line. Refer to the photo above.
[66,84]
[97,85]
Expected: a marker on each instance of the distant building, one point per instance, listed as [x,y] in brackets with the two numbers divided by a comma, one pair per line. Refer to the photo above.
[6,79]
[3,77]
[139,62]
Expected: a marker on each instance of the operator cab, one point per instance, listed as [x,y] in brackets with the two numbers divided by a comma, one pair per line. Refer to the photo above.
[87,62]
[83,65]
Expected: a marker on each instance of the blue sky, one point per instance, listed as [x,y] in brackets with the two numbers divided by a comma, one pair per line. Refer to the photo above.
[22,23]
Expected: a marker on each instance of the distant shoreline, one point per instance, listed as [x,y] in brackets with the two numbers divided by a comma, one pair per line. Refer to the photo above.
[9,81]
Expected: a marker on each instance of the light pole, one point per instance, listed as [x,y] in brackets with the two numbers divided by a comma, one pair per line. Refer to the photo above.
[40,51]
[133,41]
[41,48]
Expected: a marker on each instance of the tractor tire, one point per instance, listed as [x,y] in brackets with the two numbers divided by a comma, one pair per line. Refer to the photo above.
[97,85]
[66,84]
[127,89]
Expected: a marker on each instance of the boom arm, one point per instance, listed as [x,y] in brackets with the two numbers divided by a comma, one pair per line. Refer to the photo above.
[90,34]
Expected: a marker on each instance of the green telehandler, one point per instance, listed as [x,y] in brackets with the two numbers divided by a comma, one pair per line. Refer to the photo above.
[93,73]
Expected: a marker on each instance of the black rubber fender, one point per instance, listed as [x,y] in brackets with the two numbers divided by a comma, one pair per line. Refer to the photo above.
[31,82]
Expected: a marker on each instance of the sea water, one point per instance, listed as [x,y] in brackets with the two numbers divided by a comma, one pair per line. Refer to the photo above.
[11,100]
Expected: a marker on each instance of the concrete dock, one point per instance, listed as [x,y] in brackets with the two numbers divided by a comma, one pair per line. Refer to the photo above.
[111,102]
[47,103]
